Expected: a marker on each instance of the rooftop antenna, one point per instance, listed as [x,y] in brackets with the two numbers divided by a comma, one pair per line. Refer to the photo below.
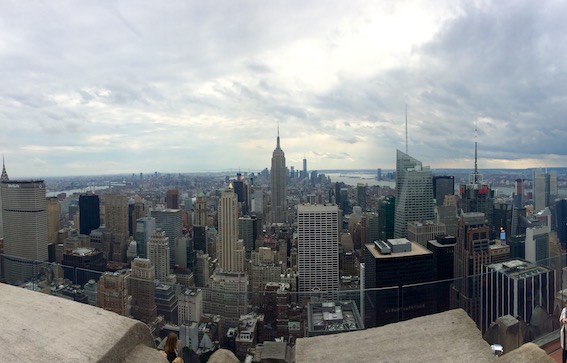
[475,151]
[278,139]
[475,178]
[406,128]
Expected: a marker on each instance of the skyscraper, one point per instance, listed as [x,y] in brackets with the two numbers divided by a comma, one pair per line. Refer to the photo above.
[414,193]
[394,263]
[361,190]
[246,233]
[89,213]
[519,194]
[228,295]
[24,217]
[3,178]
[278,184]
[172,199]
[112,292]
[53,218]
[143,290]
[158,253]
[304,169]
[517,288]
[145,226]
[116,219]
[545,189]
[200,210]
[443,185]
[200,223]
[318,248]
[561,220]
[230,250]
[476,195]
[171,222]
[472,252]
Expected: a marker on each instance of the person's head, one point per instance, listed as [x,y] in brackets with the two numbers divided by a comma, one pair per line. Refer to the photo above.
[171,343]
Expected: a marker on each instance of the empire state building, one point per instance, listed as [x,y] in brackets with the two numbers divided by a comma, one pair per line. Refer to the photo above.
[278,185]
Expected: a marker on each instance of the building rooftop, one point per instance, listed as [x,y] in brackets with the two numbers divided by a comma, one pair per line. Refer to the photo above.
[416,249]
[333,317]
[518,269]
[84,251]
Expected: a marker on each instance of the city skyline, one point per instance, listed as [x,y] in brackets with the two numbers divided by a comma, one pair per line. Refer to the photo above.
[110,88]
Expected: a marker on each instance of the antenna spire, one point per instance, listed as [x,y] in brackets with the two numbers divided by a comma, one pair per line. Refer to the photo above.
[4,175]
[278,139]
[475,150]
[406,128]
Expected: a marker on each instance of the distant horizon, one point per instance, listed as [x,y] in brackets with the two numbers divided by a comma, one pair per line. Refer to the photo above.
[235,171]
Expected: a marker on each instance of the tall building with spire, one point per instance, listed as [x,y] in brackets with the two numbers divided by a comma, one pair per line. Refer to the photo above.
[414,193]
[278,184]
[476,195]
[3,178]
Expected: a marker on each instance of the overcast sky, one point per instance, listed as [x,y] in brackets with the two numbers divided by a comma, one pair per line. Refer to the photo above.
[98,87]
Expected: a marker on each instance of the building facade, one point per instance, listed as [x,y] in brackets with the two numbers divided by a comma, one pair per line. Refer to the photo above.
[24,216]
[390,266]
[423,231]
[112,292]
[145,226]
[171,222]
[89,213]
[472,252]
[516,287]
[158,253]
[318,249]
[545,189]
[143,290]
[414,193]
[116,221]
[443,185]
[230,250]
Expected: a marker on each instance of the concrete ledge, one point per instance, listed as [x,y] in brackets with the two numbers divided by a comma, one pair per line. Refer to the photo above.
[440,338]
[43,328]
[528,352]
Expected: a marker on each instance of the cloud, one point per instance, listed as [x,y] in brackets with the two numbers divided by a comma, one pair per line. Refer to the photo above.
[114,83]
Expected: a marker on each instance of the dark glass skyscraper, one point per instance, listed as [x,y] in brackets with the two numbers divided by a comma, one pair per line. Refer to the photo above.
[443,185]
[561,221]
[89,213]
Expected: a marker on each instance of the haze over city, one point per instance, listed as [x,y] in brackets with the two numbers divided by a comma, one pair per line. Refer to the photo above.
[121,87]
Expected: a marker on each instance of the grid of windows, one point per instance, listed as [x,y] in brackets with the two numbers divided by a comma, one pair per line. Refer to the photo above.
[318,248]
